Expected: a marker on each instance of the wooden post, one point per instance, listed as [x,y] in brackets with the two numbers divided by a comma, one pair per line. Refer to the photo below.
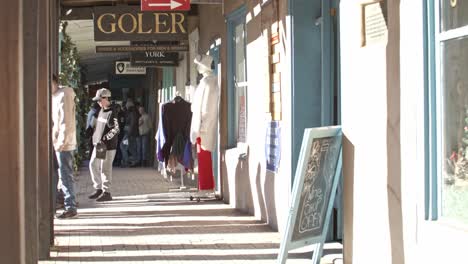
[30,123]
[43,111]
[12,241]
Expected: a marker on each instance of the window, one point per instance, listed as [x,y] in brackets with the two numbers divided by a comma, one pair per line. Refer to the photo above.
[237,74]
[449,109]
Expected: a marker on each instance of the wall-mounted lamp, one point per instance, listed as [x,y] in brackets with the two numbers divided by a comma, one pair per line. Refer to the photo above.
[318,21]
[69,11]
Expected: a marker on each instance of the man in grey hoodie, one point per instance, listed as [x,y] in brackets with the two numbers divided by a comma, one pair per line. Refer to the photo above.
[64,140]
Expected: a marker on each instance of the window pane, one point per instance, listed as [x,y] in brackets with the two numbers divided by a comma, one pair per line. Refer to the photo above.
[242,114]
[240,53]
[454,14]
[455,129]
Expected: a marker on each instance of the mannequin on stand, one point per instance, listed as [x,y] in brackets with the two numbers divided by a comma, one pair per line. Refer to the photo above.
[205,120]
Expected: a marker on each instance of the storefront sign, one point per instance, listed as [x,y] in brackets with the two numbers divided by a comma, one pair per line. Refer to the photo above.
[375,23]
[129,23]
[141,48]
[124,67]
[165,5]
[315,183]
[273,146]
[154,58]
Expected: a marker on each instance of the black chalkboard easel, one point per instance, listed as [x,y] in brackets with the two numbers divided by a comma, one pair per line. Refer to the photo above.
[315,183]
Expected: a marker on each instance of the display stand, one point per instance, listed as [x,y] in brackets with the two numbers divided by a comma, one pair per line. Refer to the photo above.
[315,183]
[203,194]
[181,169]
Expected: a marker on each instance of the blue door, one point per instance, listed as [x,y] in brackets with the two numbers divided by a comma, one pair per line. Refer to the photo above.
[315,90]
[214,52]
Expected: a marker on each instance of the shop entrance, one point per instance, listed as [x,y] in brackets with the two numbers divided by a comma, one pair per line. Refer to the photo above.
[315,81]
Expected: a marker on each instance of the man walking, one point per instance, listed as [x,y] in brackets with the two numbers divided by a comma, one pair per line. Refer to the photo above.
[105,140]
[131,130]
[64,141]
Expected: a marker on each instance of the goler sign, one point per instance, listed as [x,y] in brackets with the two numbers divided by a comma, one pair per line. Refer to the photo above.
[128,23]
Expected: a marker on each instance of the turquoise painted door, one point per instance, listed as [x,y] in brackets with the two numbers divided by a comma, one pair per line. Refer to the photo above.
[214,52]
[315,79]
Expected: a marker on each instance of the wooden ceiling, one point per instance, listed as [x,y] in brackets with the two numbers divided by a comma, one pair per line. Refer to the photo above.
[88,3]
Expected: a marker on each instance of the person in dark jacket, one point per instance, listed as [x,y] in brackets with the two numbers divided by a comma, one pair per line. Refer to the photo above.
[131,131]
[105,140]
[90,123]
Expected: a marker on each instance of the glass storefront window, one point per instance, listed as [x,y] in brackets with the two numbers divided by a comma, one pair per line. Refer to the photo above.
[454,14]
[454,88]
[237,120]
[240,53]
[241,83]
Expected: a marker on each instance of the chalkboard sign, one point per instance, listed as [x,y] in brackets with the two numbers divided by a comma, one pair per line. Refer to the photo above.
[315,183]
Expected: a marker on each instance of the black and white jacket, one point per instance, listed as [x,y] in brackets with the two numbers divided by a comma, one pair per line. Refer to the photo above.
[107,128]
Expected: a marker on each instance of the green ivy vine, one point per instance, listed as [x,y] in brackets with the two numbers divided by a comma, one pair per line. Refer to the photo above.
[71,75]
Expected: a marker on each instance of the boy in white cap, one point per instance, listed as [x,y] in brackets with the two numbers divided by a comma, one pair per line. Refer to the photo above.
[105,134]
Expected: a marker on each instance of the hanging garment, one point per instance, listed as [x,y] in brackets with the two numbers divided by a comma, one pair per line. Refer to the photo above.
[160,138]
[205,168]
[176,121]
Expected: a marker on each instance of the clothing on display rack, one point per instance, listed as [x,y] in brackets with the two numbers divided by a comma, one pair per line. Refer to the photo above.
[176,121]
[159,137]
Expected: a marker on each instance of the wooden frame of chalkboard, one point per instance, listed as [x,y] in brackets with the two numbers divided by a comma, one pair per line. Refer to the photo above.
[315,183]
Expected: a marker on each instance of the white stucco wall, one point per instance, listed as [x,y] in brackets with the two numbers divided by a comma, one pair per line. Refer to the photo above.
[364,91]
[246,183]
[383,120]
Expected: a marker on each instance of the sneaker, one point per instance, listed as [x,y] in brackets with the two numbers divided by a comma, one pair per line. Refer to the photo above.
[105,196]
[96,194]
[66,214]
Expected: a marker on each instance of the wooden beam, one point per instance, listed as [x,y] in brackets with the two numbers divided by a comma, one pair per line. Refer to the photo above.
[204,2]
[76,13]
[30,123]
[76,3]
[45,184]
[90,3]
[12,241]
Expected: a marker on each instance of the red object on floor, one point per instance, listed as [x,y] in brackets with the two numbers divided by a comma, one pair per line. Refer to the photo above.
[205,168]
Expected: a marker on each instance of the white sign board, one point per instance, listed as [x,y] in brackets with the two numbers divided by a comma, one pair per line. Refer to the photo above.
[124,67]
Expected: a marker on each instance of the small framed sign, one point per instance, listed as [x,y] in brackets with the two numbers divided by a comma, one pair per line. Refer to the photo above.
[315,183]
[124,67]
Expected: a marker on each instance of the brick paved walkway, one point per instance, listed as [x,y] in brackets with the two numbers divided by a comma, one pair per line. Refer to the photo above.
[145,223]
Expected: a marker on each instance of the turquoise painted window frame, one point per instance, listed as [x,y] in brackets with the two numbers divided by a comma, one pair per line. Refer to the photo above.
[430,149]
[215,53]
[233,19]
[433,105]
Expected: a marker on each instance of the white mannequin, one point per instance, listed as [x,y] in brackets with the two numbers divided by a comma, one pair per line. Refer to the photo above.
[205,105]
[205,121]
